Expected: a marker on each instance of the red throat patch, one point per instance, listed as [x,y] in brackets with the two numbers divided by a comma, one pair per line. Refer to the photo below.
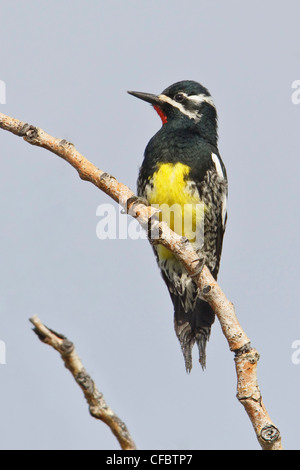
[162,115]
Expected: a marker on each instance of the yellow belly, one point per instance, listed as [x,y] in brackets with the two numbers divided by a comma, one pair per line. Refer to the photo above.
[179,206]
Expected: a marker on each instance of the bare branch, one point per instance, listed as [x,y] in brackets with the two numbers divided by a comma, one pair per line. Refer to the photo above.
[97,405]
[246,357]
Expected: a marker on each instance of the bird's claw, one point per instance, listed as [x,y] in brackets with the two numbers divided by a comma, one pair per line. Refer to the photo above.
[133,200]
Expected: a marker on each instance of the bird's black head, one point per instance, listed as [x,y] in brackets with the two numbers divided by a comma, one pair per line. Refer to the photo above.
[185,104]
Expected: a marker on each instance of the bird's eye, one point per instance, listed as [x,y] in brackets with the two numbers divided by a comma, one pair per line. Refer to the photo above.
[179,97]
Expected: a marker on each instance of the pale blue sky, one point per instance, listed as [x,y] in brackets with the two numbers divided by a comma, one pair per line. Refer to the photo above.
[67,66]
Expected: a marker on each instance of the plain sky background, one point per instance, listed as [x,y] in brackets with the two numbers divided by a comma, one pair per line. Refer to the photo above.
[67,66]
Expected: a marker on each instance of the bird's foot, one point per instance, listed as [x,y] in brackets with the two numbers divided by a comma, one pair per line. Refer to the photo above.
[198,268]
[133,201]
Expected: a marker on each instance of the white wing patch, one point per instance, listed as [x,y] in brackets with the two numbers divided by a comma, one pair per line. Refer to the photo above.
[217,163]
[224,209]
[220,174]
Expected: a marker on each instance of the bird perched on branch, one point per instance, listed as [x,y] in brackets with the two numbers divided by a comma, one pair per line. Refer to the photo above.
[184,177]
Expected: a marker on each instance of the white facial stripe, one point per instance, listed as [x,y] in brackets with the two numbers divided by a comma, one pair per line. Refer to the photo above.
[191,114]
[198,99]
[217,163]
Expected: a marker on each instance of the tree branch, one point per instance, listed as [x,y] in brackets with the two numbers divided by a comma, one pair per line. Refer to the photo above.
[97,405]
[246,358]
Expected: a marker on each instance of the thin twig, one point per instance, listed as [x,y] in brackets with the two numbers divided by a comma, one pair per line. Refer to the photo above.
[246,358]
[97,405]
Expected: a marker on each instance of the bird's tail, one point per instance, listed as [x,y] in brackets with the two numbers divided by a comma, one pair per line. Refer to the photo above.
[193,327]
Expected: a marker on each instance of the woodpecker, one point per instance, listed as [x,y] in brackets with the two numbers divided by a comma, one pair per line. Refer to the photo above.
[182,168]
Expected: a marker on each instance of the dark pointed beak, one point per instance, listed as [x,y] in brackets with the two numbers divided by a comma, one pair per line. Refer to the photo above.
[149,97]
